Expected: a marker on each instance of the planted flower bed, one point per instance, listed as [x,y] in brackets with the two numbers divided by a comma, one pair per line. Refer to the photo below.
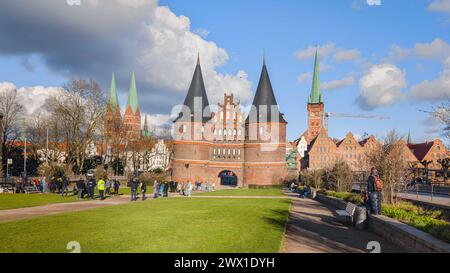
[434,222]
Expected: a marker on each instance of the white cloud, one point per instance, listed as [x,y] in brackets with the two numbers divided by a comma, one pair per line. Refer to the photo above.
[338,84]
[397,53]
[309,52]
[32,98]
[374,2]
[436,89]
[170,60]
[437,49]
[381,86]
[442,6]
[343,55]
[305,77]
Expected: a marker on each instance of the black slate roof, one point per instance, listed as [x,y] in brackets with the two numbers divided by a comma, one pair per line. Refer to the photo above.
[264,97]
[196,90]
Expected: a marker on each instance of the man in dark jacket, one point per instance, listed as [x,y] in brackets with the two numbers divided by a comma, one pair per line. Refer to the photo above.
[134,187]
[65,186]
[91,187]
[81,187]
[143,190]
[374,194]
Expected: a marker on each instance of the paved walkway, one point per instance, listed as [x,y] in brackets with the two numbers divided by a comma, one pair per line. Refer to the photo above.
[440,200]
[29,212]
[313,228]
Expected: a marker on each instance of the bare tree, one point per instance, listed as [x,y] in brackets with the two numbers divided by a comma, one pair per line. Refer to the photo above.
[390,160]
[13,114]
[78,113]
[340,176]
[442,113]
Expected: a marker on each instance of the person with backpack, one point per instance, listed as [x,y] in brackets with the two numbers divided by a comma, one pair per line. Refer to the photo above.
[134,186]
[116,187]
[90,188]
[374,189]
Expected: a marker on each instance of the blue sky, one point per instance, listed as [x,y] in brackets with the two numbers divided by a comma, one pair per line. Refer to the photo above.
[284,29]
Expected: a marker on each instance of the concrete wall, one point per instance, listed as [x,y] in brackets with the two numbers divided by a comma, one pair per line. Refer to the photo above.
[406,236]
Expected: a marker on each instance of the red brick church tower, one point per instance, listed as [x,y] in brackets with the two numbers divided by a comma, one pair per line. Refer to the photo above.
[132,116]
[315,106]
[113,117]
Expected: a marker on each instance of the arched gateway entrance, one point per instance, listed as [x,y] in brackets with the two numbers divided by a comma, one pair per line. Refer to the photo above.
[228,178]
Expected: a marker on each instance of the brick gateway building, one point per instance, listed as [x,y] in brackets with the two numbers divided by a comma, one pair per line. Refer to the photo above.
[225,147]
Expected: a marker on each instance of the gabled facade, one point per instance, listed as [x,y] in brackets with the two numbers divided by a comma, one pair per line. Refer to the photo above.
[429,151]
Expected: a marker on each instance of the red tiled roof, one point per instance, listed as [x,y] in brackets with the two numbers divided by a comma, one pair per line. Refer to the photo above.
[420,150]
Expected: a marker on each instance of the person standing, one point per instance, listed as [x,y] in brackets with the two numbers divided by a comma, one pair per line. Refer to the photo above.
[64,186]
[116,187]
[374,188]
[43,185]
[90,188]
[101,188]
[80,187]
[134,187]
[143,190]
[189,189]
[108,185]
[155,189]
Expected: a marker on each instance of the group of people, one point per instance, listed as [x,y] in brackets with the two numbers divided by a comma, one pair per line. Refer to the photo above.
[104,186]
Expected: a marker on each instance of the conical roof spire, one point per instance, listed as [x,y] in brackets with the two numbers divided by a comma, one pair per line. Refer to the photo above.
[315,96]
[132,99]
[264,97]
[113,100]
[145,124]
[409,139]
[197,91]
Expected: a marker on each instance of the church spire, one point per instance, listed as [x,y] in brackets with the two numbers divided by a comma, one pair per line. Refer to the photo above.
[113,100]
[145,124]
[264,97]
[315,96]
[409,139]
[132,100]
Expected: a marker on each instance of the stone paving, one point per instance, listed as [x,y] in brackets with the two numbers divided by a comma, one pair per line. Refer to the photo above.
[313,228]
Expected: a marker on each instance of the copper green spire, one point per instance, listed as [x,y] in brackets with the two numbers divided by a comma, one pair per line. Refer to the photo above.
[315,96]
[113,101]
[132,99]
[409,139]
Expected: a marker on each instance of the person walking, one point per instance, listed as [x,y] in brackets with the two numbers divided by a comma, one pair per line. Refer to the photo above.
[90,188]
[43,185]
[81,188]
[155,189]
[143,190]
[64,186]
[101,188]
[166,189]
[189,189]
[161,189]
[108,186]
[374,189]
[134,187]
[116,187]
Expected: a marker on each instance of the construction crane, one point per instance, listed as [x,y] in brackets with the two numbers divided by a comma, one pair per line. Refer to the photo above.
[343,115]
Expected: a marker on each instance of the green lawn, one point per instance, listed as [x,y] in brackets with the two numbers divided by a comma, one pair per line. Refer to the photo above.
[13,201]
[242,192]
[161,225]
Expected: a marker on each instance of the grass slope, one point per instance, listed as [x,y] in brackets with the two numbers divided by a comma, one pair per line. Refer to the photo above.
[161,225]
